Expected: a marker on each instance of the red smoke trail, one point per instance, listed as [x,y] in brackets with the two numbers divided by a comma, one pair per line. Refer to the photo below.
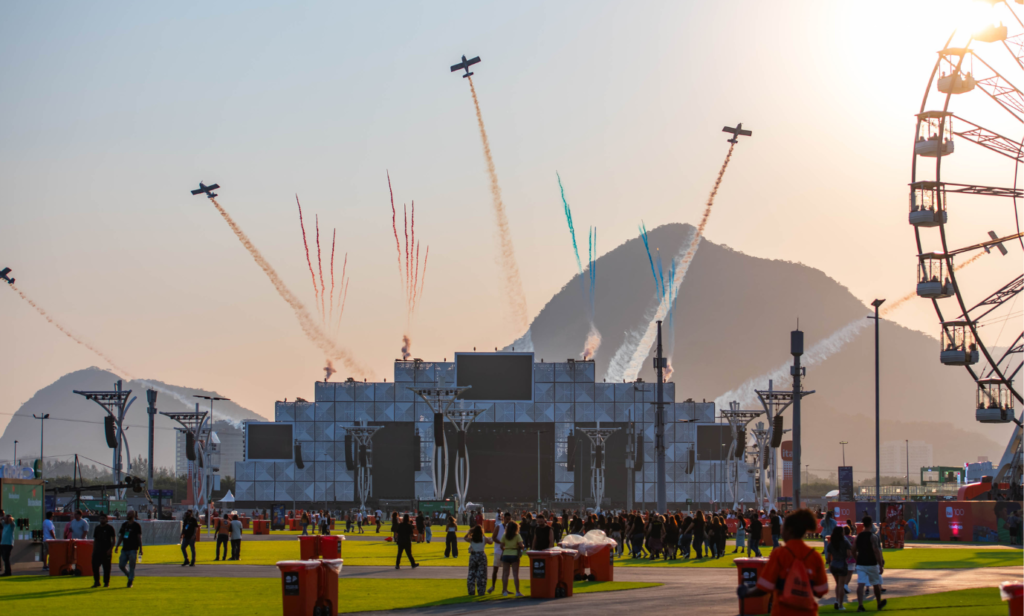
[306,246]
[405,214]
[416,278]
[512,282]
[394,227]
[67,333]
[319,267]
[334,234]
[309,326]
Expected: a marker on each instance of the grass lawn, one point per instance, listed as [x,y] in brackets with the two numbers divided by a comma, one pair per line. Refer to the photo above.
[156,596]
[976,602]
[931,558]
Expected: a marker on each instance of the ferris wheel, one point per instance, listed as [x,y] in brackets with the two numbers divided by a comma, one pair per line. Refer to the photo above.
[964,209]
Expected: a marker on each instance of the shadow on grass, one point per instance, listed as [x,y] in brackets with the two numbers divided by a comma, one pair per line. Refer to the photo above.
[578,588]
[27,594]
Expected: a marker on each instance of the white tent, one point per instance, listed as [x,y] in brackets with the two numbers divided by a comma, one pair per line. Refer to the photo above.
[228,498]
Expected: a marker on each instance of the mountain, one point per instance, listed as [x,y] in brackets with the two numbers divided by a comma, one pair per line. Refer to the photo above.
[76,424]
[733,316]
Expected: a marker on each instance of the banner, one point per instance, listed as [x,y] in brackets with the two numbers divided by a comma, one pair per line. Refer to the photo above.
[846,483]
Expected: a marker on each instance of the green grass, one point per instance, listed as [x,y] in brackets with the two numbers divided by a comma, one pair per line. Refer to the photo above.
[155,596]
[931,558]
[976,602]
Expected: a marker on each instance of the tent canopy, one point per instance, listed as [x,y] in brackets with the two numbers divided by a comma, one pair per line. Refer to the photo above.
[228,498]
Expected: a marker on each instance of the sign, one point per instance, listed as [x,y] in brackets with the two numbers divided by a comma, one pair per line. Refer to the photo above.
[846,483]
[23,499]
[537,571]
[787,468]
[161,493]
[291,584]
[10,471]
[749,576]
[277,516]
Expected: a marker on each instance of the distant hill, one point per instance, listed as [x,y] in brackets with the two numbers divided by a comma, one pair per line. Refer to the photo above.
[733,316]
[76,424]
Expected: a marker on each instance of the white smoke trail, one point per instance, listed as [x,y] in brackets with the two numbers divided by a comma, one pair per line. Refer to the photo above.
[592,344]
[745,393]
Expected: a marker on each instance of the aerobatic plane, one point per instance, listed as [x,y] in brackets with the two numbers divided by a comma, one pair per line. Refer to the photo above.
[4,275]
[465,64]
[999,245]
[203,188]
[736,132]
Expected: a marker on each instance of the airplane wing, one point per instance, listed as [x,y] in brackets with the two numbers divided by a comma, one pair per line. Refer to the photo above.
[459,66]
[728,129]
[744,133]
[198,191]
[472,61]
[216,186]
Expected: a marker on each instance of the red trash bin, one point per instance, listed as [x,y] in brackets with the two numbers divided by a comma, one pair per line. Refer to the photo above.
[62,558]
[83,556]
[567,570]
[309,548]
[602,564]
[1013,592]
[544,577]
[327,586]
[299,586]
[749,570]
[330,546]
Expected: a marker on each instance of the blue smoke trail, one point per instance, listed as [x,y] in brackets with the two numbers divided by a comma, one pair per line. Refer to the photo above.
[647,246]
[592,248]
[661,277]
[572,231]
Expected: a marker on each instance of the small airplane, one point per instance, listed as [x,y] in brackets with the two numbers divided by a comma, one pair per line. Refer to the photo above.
[203,188]
[736,132]
[465,64]
[4,275]
[999,245]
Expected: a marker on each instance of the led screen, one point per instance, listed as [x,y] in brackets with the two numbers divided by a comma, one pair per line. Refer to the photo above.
[713,442]
[268,441]
[495,376]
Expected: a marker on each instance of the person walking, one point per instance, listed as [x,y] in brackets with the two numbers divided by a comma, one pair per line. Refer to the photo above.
[7,544]
[870,564]
[794,590]
[451,542]
[130,536]
[236,538]
[427,528]
[754,536]
[404,533]
[671,538]
[686,537]
[189,528]
[223,528]
[476,578]
[511,550]
[828,524]
[838,550]
[421,527]
[103,538]
[49,534]
[394,525]
[775,522]
[723,536]
[699,533]
[741,535]
[496,536]
[305,524]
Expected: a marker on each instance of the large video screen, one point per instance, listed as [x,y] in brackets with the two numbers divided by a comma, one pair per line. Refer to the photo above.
[713,442]
[268,441]
[495,376]
[503,461]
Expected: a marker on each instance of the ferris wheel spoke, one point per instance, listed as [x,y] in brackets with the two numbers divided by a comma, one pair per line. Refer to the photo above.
[989,139]
[999,89]
[986,191]
[1015,46]
[995,300]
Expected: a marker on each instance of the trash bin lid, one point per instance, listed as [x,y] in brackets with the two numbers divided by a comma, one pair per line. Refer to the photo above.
[1009,590]
[297,565]
[333,563]
[749,561]
[541,553]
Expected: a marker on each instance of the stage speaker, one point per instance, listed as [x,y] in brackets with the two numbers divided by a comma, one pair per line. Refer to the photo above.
[350,458]
[638,463]
[362,456]
[777,431]
[570,448]
[598,456]
[299,464]
[190,447]
[110,430]
[741,442]
[691,460]
[417,451]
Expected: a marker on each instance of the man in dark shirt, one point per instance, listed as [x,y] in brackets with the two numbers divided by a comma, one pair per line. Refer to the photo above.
[556,528]
[130,535]
[756,530]
[403,537]
[420,527]
[103,538]
[774,520]
[189,527]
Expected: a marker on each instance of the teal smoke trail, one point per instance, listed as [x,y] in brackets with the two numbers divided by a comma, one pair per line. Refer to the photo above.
[647,246]
[661,277]
[592,248]
[572,231]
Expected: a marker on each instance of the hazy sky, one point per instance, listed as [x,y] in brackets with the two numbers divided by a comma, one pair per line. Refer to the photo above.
[112,111]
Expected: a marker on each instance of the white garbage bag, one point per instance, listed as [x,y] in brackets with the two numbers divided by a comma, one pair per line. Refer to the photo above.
[589,543]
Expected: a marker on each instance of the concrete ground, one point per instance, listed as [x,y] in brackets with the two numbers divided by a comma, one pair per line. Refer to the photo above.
[709,592]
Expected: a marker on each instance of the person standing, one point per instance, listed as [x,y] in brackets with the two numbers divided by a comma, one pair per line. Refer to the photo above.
[223,528]
[394,525]
[236,538]
[103,538]
[699,534]
[773,519]
[130,536]
[838,551]
[305,523]
[476,579]
[49,534]
[795,591]
[543,536]
[828,524]
[870,564]
[741,535]
[189,528]
[7,544]
[403,534]
[79,526]
[421,528]
[754,538]
[511,550]
[427,528]
[499,532]
[451,542]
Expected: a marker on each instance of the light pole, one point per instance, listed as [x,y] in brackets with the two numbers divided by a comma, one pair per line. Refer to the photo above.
[907,441]
[878,476]
[42,419]
[208,479]
[844,444]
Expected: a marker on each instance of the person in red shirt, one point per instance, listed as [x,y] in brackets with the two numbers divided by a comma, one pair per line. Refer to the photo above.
[777,572]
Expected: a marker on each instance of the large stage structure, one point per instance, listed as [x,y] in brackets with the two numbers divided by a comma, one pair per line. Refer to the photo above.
[523,412]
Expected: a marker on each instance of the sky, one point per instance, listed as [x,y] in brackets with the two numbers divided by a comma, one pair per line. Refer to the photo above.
[112,111]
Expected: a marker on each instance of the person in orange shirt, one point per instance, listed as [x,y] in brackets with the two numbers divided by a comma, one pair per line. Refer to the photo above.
[795,590]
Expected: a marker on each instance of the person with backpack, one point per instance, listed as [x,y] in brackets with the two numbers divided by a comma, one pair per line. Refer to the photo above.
[839,549]
[870,564]
[795,573]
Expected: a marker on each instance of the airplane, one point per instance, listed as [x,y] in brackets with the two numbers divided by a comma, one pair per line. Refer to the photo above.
[4,275]
[999,245]
[203,188]
[736,132]
[465,64]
